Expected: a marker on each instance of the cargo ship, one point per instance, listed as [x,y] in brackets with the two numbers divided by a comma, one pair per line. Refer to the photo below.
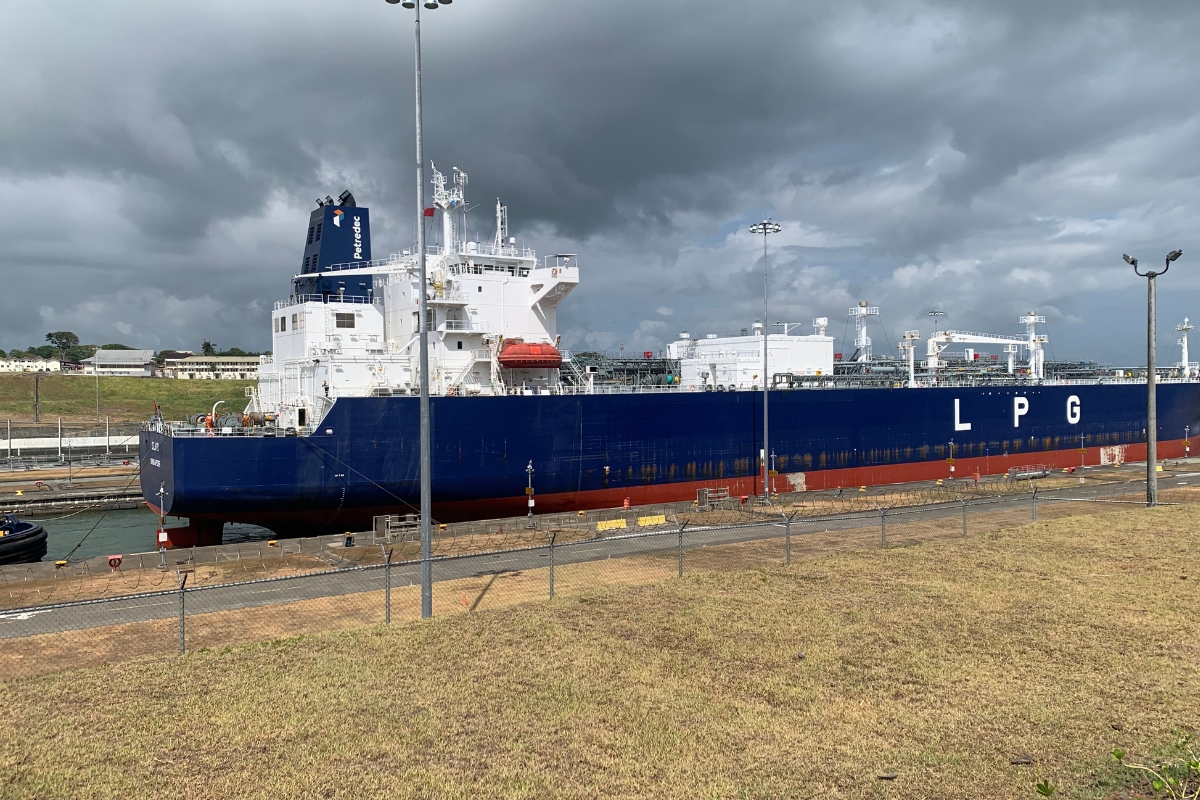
[329,438]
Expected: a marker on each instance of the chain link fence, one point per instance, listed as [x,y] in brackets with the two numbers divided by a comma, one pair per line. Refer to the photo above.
[176,601]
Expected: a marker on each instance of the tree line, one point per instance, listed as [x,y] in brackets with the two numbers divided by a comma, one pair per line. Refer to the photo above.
[66,347]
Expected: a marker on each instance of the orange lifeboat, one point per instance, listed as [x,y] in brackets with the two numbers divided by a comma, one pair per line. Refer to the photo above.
[525,355]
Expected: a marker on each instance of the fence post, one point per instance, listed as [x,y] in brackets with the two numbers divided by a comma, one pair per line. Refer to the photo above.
[964,510]
[680,547]
[553,534]
[787,536]
[883,528]
[1033,498]
[387,585]
[182,594]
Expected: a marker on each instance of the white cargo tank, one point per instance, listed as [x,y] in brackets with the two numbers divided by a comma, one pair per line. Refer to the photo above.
[730,363]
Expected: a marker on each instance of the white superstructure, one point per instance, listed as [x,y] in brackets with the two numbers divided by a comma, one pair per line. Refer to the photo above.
[730,363]
[479,294]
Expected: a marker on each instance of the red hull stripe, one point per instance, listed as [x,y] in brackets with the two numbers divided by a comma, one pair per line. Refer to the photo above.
[823,479]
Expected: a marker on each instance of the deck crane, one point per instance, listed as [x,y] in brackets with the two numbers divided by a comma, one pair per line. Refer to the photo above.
[1033,341]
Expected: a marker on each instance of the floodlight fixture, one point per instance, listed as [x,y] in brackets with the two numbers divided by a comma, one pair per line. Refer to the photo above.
[1173,255]
[765,227]
[1130,260]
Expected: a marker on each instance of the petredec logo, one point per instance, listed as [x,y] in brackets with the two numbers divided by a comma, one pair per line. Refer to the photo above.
[337,217]
[358,239]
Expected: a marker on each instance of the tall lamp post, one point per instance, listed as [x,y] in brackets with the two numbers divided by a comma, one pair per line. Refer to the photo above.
[766,227]
[1151,377]
[426,466]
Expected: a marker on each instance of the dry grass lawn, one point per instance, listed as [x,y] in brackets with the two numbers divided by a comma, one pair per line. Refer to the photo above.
[938,662]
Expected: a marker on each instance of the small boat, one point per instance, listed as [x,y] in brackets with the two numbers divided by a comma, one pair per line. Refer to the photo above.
[21,542]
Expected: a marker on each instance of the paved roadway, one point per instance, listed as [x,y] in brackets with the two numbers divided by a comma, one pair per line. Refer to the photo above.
[139,608]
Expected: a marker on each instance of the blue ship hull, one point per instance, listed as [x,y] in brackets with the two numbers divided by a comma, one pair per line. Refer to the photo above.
[596,450]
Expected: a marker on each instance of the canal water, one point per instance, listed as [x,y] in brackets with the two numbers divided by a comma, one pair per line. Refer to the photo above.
[118,532]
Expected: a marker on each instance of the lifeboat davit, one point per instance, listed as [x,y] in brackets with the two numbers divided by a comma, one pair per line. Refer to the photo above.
[526,355]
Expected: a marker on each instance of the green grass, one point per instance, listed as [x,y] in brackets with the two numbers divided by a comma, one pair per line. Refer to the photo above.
[938,662]
[73,397]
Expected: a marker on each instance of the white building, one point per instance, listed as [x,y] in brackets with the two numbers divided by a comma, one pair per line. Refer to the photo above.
[729,363]
[238,368]
[124,363]
[30,364]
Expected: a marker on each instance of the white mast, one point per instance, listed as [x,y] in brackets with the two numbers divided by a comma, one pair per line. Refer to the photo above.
[1185,367]
[862,342]
[449,202]
[908,348]
[501,225]
[1037,359]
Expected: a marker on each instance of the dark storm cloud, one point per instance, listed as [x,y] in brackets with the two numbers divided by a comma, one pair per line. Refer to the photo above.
[988,158]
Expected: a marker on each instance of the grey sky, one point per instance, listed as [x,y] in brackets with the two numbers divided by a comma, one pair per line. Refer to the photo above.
[159,160]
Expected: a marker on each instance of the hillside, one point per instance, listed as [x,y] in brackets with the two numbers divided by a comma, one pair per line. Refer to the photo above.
[73,397]
[938,663]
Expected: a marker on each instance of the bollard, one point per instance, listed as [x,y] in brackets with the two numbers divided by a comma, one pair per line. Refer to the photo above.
[182,615]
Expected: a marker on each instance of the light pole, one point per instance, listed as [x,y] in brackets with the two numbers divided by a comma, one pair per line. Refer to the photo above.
[426,467]
[766,227]
[1151,378]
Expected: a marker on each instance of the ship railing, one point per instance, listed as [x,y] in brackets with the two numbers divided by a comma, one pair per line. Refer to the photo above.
[297,299]
[390,261]
[503,251]
[611,389]
[444,296]
[186,431]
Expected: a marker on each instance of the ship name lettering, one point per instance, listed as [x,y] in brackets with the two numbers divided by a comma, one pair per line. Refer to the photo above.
[358,237]
[1073,409]
[958,424]
[1020,409]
